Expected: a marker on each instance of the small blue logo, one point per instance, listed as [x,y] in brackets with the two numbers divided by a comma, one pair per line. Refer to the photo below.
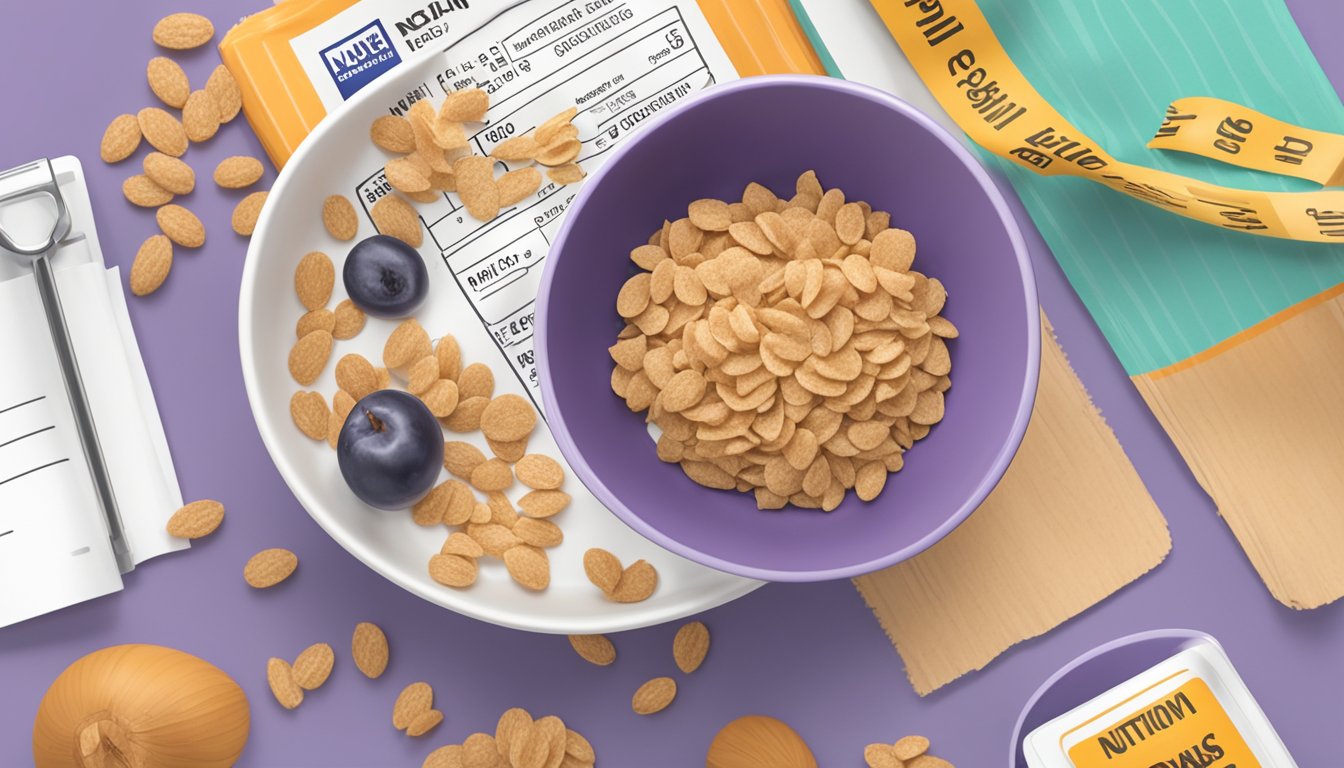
[359,59]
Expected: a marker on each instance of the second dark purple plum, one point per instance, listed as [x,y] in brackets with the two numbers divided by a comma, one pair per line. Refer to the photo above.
[390,449]
[385,277]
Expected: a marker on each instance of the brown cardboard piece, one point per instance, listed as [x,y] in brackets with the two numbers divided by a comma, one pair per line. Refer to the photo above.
[1029,558]
[1260,421]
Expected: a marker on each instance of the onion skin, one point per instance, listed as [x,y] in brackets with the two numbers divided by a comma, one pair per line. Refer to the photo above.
[756,741]
[141,706]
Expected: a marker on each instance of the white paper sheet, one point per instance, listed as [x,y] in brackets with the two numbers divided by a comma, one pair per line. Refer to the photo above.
[54,548]
[617,64]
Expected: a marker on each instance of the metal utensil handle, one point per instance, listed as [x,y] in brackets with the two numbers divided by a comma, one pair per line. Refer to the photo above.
[79,405]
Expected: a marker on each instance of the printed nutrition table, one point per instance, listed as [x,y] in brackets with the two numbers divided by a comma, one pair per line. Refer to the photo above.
[618,64]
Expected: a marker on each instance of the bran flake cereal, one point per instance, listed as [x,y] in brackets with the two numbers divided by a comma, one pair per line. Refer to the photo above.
[784,348]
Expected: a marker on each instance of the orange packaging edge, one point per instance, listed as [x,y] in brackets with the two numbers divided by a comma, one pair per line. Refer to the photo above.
[759,36]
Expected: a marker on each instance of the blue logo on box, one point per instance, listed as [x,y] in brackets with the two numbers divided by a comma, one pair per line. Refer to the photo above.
[359,59]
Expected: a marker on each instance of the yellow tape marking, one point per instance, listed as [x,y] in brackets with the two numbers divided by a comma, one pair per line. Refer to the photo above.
[961,60]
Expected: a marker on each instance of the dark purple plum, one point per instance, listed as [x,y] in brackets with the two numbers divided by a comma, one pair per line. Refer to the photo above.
[385,277]
[390,449]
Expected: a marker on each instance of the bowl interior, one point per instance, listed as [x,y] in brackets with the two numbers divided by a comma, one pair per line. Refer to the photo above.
[875,149]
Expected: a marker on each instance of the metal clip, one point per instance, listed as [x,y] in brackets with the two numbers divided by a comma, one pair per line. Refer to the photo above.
[37,180]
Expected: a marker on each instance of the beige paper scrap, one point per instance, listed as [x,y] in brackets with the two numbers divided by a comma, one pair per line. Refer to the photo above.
[1261,424]
[1069,524]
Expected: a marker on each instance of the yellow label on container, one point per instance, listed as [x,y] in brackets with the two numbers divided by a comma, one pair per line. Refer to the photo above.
[1184,728]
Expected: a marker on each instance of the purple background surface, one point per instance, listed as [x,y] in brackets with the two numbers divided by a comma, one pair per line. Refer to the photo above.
[810,654]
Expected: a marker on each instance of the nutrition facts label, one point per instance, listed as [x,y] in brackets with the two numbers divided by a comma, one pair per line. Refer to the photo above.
[619,64]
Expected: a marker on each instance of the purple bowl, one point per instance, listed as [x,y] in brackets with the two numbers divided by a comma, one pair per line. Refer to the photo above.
[1094,673]
[876,148]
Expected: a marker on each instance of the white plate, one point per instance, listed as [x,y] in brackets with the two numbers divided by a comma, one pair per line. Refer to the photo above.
[338,157]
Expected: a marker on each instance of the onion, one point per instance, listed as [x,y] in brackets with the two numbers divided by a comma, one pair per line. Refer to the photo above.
[140,706]
[756,741]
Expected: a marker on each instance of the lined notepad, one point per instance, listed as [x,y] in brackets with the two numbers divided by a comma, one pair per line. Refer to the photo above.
[54,547]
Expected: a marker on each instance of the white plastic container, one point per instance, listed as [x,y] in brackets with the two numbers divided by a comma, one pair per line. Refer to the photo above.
[1191,710]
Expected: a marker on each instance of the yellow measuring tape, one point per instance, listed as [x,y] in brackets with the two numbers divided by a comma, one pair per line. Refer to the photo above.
[1222,130]
[959,57]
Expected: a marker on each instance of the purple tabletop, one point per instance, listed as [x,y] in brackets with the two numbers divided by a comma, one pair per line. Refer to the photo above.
[811,655]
